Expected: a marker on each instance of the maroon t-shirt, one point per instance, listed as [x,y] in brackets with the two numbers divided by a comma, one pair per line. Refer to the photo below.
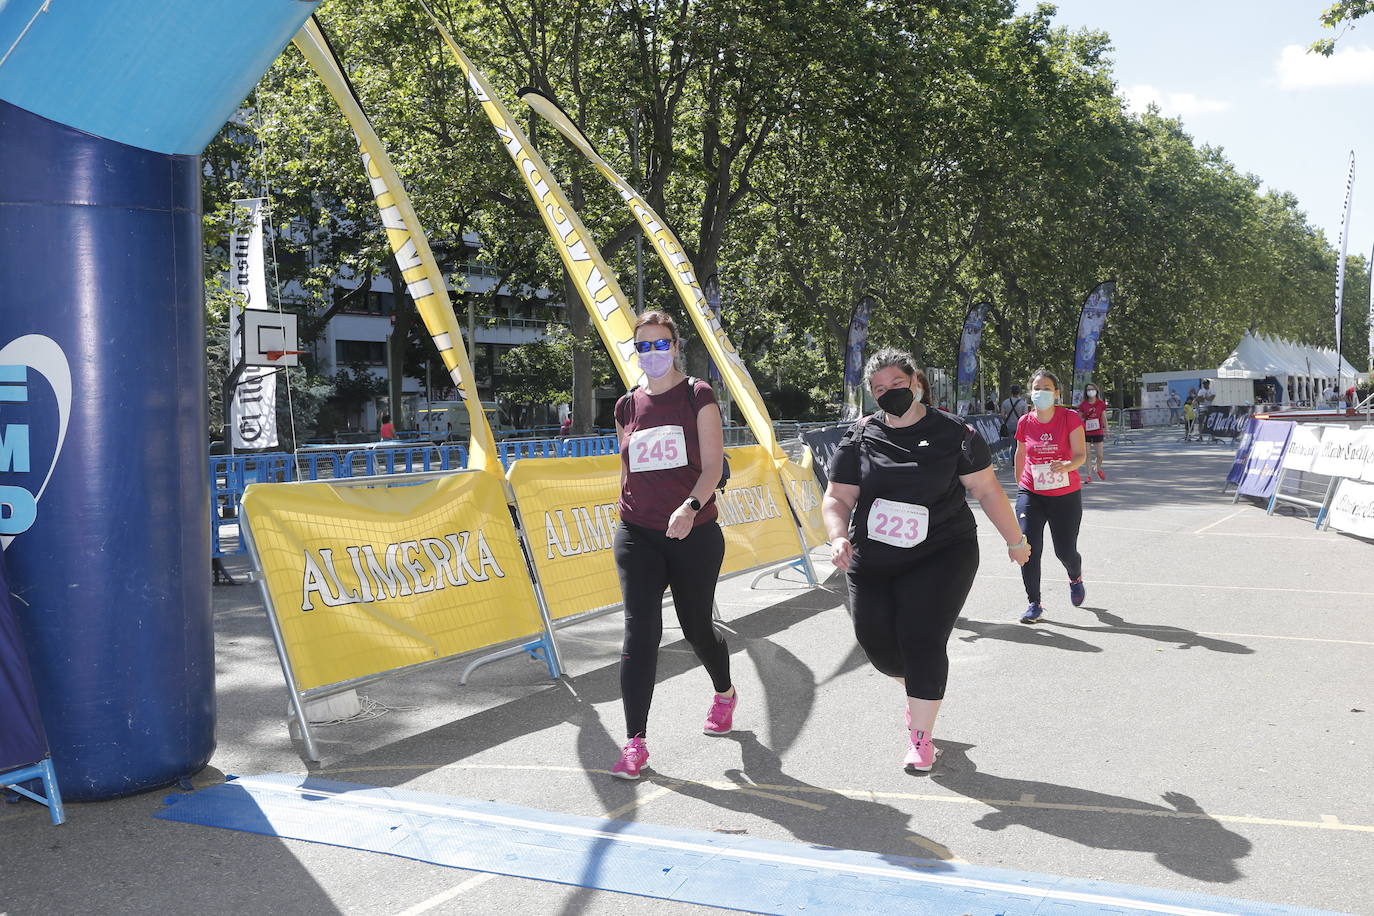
[658,429]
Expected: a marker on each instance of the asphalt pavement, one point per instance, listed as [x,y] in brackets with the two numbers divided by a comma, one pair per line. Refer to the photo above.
[1204,723]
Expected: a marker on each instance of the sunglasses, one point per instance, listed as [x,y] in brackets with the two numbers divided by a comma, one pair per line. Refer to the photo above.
[662,344]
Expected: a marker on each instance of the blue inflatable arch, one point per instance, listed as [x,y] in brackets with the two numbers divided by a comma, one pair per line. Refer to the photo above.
[105,107]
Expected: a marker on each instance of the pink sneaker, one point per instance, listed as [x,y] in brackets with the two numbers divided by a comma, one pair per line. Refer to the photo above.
[721,718]
[1102,475]
[633,756]
[920,754]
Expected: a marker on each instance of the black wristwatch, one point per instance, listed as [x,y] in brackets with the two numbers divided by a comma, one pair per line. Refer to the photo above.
[694,503]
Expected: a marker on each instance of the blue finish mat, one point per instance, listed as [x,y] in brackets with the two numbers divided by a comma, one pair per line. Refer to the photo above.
[711,869]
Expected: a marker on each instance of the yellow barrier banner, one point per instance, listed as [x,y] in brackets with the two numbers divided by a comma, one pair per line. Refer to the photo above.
[753,513]
[569,510]
[596,285]
[804,490]
[365,580]
[424,280]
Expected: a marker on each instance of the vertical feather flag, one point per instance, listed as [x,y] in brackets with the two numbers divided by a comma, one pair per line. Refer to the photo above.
[595,284]
[670,252]
[425,281]
[1340,262]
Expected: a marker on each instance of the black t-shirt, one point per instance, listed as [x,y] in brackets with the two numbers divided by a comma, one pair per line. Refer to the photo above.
[918,464]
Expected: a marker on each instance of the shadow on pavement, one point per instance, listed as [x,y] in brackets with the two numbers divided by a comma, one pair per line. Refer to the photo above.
[1193,845]
[1186,639]
[1021,633]
[812,815]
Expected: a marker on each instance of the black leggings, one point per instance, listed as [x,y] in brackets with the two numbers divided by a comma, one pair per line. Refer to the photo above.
[903,617]
[1065,514]
[649,562]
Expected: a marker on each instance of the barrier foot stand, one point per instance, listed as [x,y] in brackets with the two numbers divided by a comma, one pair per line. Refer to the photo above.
[536,649]
[802,563]
[1326,503]
[45,772]
[312,751]
[222,576]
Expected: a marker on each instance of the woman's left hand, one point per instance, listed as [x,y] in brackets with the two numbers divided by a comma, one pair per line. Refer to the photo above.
[680,524]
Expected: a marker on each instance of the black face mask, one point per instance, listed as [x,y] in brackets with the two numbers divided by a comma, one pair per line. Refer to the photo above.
[896,401]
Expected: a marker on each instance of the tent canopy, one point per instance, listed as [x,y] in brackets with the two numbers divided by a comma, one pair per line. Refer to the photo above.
[1257,357]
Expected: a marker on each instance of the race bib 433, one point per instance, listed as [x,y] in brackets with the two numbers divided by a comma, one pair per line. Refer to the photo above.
[1043,477]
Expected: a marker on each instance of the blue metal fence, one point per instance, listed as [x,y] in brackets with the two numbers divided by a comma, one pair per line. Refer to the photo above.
[230,475]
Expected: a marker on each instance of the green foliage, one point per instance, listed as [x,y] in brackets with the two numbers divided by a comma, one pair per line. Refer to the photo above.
[932,153]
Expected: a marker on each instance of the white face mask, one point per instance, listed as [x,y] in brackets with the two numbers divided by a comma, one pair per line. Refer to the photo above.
[1042,398]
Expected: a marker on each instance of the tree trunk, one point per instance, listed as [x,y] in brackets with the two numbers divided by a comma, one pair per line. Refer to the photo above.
[403,316]
[584,338]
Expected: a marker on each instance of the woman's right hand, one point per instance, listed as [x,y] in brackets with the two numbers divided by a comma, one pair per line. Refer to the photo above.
[841,552]
[1020,554]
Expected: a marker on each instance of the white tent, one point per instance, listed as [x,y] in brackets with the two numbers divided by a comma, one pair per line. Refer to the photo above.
[1302,372]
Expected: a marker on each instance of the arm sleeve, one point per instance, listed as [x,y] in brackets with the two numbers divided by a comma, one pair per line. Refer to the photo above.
[703,393]
[844,464]
[975,454]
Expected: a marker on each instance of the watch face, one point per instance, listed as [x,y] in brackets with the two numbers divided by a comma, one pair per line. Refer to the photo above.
[694,503]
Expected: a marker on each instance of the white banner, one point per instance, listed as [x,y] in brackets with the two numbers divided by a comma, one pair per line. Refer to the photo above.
[1365,444]
[253,411]
[1341,454]
[1352,508]
[1303,447]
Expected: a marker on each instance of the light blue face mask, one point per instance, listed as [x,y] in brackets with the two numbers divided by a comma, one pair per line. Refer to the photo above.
[1042,398]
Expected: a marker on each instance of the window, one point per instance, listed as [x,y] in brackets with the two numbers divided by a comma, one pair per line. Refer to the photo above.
[366,352]
[371,302]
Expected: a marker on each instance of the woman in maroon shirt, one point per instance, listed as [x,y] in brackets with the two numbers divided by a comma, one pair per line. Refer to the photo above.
[671,457]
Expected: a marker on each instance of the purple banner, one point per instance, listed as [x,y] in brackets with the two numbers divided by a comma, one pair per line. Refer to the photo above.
[1247,436]
[1090,324]
[854,358]
[1268,442]
[857,340]
[969,342]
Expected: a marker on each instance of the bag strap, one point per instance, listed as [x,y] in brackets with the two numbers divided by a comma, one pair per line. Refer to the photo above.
[627,400]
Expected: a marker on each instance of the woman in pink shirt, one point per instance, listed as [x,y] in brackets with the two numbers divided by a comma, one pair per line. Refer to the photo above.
[1050,448]
[1094,413]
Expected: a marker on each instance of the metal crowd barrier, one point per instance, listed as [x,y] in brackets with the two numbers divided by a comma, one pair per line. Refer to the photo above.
[231,474]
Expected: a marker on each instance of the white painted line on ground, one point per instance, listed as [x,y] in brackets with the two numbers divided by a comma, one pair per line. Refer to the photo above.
[639,802]
[873,796]
[1344,642]
[781,798]
[939,850]
[1238,588]
[1220,520]
[812,863]
[424,906]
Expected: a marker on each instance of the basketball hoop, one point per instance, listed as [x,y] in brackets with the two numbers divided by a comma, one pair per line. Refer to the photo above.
[275,355]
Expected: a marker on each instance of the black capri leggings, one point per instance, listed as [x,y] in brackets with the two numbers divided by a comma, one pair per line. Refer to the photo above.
[649,563]
[903,617]
[1065,515]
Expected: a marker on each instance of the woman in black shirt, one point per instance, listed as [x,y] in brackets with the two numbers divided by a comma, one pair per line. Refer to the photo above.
[912,550]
